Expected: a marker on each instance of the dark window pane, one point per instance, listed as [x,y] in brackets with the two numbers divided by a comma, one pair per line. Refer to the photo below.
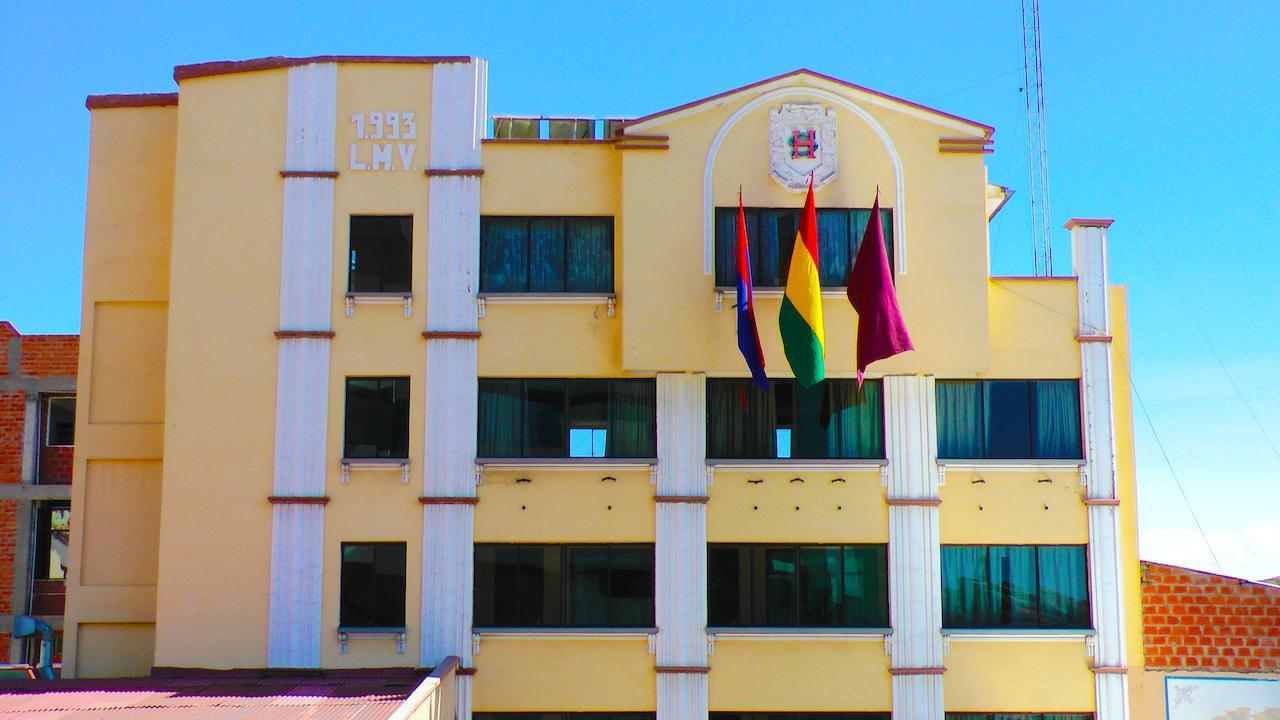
[546,255]
[1057,418]
[504,254]
[820,594]
[588,417]
[377,418]
[834,247]
[501,418]
[961,426]
[832,420]
[1064,586]
[485,586]
[381,253]
[966,594]
[545,431]
[1008,417]
[372,585]
[728,586]
[771,234]
[741,418]
[60,421]
[1013,585]
[632,419]
[631,586]
[780,587]
[589,253]
[588,586]
[727,246]
[865,599]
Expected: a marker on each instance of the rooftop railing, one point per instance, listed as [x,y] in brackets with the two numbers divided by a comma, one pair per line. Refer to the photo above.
[515,127]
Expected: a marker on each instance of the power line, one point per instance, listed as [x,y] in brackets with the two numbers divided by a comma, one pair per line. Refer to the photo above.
[1128,369]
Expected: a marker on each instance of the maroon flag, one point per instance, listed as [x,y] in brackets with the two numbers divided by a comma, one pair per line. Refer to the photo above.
[881,330]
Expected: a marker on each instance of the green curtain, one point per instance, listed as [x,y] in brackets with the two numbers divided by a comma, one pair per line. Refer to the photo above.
[1012,585]
[501,418]
[865,586]
[504,262]
[1057,419]
[769,272]
[961,428]
[966,599]
[833,247]
[588,586]
[589,250]
[546,255]
[855,428]
[1064,586]
[820,594]
[735,431]
[632,419]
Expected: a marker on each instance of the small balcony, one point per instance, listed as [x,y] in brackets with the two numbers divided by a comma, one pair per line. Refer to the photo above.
[553,129]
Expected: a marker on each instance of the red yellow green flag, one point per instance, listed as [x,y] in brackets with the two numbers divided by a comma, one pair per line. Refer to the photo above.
[800,319]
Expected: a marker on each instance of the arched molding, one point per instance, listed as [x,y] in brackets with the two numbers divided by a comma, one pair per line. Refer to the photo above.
[900,196]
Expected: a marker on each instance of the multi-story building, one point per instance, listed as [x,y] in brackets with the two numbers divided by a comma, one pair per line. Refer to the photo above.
[372,380]
[37,439]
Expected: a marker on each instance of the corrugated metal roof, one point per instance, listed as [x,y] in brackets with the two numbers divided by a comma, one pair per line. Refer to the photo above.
[225,697]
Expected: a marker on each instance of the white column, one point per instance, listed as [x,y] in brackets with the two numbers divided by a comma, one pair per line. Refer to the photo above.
[302,370]
[1106,588]
[452,271]
[680,547]
[915,574]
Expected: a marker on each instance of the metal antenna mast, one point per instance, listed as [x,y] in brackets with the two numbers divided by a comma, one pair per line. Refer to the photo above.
[1037,139]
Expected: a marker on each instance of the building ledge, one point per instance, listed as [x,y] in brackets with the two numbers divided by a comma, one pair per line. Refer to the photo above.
[346,634]
[1011,464]
[375,465]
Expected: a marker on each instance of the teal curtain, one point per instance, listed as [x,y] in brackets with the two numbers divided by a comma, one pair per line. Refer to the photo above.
[740,420]
[589,250]
[1012,585]
[961,428]
[1064,586]
[855,428]
[588,586]
[504,260]
[833,247]
[820,577]
[1057,419]
[546,255]
[500,418]
[771,271]
[966,596]
[632,423]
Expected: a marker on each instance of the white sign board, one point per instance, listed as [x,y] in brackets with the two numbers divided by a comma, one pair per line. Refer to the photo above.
[1212,698]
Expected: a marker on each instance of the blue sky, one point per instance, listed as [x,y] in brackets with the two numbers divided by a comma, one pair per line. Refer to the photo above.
[1162,115]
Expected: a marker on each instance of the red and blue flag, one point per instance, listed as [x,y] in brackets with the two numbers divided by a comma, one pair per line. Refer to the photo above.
[748,334]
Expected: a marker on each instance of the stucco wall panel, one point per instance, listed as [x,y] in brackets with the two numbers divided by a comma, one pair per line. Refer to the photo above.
[121,519]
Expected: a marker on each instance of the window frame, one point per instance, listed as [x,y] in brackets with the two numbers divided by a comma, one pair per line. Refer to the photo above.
[406,420]
[343,624]
[565,222]
[725,216]
[791,386]
[382,280]
[564,587]
[1032,422]
[48,426]
[570,385]
[1040,625]
[759,592]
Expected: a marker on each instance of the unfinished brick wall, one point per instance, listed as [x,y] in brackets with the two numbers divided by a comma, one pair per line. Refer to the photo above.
[12,409]
[50,355]
[1194,620]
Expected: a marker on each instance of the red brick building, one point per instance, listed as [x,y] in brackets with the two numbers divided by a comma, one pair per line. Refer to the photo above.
[1209,638]
[37,437]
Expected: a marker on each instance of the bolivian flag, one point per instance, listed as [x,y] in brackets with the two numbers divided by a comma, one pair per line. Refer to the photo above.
[800,319]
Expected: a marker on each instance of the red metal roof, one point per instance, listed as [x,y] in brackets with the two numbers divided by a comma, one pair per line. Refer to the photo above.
[218,697]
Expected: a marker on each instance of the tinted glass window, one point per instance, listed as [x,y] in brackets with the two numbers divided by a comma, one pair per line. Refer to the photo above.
[381,254]
[797,586]
[1009,419]
[377,418]
[771,235]
[519,585]
[567,418]
[546,254]
[834,419]
[1010,586]
[60,421]
[372,585]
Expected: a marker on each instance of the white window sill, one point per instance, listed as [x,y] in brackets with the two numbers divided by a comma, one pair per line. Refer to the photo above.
[1019,635]
[400,465]
[799,633]
[603,633]
[395,298]
[346,634]
[1011,465]
[584,464]
[609,300]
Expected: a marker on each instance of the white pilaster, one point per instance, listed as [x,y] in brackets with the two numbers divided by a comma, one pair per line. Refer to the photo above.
[915,575]
[1106,590]
[302,371]
[452,275]
[680,546]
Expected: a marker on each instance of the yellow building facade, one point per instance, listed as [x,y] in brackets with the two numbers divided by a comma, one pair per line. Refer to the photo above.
[369,379]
